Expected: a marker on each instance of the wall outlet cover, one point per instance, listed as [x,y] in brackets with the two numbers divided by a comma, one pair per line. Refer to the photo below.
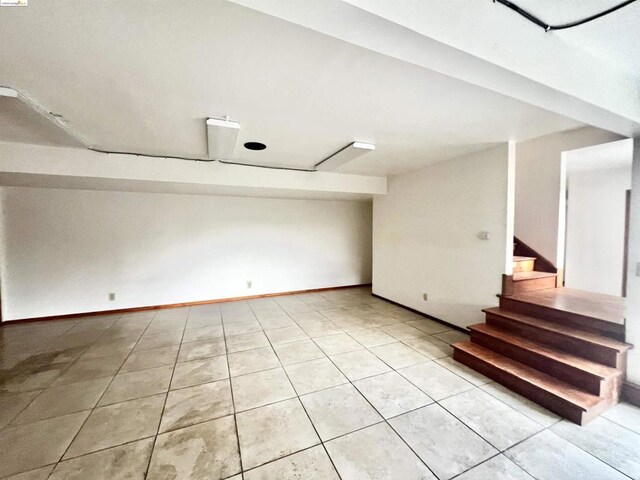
[112,297]
[425,297]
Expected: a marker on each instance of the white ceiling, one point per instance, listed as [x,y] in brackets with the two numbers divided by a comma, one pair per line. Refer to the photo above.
[142,77]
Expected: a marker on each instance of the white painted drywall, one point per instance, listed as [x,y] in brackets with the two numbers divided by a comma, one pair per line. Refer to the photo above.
[425,236]
[633,280]
[538,176]
[65,250]
[594,254]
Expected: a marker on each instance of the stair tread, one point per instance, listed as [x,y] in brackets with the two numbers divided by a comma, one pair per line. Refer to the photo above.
[561,389]
[519,276]
[522,259]
[561,329]
[593,368]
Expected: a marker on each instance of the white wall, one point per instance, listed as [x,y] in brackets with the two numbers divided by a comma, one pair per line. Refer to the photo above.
[425,236]
[633,280]
[65,250]
[594,254]
[538,190]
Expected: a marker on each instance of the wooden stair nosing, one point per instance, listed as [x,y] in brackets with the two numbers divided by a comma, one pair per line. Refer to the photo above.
[553,394]
[534,275]
[591,377]
[563,317]
[584,344]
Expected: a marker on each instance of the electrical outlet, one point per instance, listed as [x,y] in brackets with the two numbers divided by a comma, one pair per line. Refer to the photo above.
[249,283]
[425,297]
[638,269]
[112,297]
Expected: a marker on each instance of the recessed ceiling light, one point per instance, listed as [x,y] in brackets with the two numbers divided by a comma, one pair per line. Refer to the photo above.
[255,146]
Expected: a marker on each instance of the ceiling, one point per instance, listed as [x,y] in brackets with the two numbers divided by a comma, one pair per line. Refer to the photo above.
[142,77]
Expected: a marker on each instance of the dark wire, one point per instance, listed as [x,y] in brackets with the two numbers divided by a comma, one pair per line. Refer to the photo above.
[547,27]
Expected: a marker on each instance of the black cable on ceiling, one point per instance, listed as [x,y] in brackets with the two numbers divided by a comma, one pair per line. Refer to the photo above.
[532,18]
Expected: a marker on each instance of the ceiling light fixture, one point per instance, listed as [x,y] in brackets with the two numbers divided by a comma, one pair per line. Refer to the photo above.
[345,155]
[222,134]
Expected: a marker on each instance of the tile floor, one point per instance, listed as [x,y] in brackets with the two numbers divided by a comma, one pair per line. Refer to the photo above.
[328,385]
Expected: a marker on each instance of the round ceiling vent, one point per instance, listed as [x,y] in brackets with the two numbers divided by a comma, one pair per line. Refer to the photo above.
[255,146]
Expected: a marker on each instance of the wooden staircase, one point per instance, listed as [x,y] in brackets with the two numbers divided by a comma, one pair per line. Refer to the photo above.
[561,348]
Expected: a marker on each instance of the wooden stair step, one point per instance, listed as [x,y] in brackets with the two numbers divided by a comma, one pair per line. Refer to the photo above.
[523,264]
[558,396]
[595,378]
[523,276]
[522,259]
[582,343]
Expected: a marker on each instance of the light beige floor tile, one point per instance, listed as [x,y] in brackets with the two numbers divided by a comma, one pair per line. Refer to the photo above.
[206,451]
[613,444]
[202,334]
[402,331]
[257,389]
[337,344]
[359,364]
[376,453]
[195,372]
[435,380]
[297,352]
[428,326]
[624,414]
[64,399]
[314,375]
[371,337]
[239,328]
[496,422]
[196,350]
[37,474]
[280,321]
[452,336]
[126,462]
[286,335]
[430,346]
[91,369]
[250,361]
[201,321]
[449,448]
[391,394]
[320,329]
[30,446]
[27,379]
[546,456]
[339,410]
[496,468]
[301,318]
[246,341]
[532,410]
[138,384]
[11,404]
[398,355]
[112,425]
[310,464]
[164,326]
[145,359]
[192,405]
[110,347]
[274,431]
[158,340]
[463,371]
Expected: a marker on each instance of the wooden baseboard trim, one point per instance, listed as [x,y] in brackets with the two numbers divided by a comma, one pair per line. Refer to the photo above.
[631,393]
[177,305]
[443,322]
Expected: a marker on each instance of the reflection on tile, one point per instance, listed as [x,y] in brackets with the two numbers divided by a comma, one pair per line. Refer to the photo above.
[200,371]
[246,341]
[128,386]
[145,359]
[546,456]
[128,461]
[56,401]
[273,431]
[391,394]
[449,448]
[339,410]
[310,464]
[376,452]
[111,425]
[496,422]
[314,375]
[25,447]
[192,405]
[204,333]
[196,350]
[90,369]
[158,340]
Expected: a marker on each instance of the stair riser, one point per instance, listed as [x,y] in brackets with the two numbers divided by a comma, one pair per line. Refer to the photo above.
[598,353]
[583,380]
[523,266]
[535,284]
[589,324]
[536,394]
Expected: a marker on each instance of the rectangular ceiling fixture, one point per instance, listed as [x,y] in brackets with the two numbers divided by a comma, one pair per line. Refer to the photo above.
[221,137]
[345,155]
